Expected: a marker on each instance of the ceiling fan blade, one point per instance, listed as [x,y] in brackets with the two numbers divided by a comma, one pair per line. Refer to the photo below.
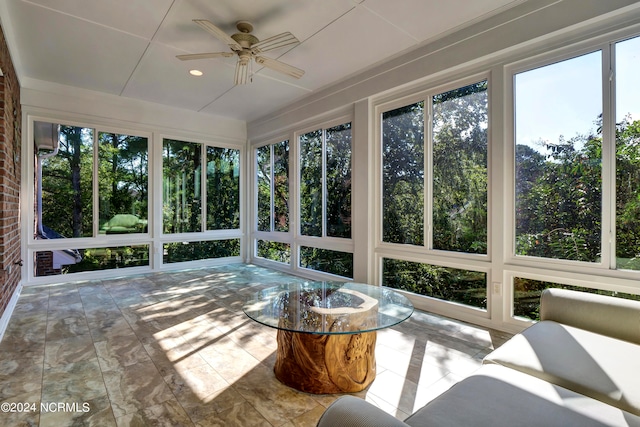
[275,42]
[279,66]
[218,33]
[191,56]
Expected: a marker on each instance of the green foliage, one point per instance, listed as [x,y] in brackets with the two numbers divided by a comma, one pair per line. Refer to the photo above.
[328,261]
[559,198]
[403,174]
[273,188]
[338,181]
[527,292]
[109,258]
[182,203]
[223,188]
[460,123]
[192,251]
[628,194]
[449,284]
[275,251]
[67,196]
[459,176]
[311,194]
[123,176]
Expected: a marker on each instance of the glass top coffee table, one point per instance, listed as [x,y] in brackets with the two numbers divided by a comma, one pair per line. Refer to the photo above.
[327,331]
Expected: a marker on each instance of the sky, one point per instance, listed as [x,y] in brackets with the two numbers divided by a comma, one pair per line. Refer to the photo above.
[565,98]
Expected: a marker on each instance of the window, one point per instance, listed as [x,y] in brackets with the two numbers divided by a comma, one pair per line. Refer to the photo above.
[458,190]
[223,188]
[90,183]
[558,184]
[182,196]
[274,251]
[527,292]
[184,187]
[272,180]
[434,158]
[448,284]
[325,182]
[327,261]
[273,187]
[67,184]
[123,182]
[627,58]
[460,124]
[325,197]
[403,175]
[193,251]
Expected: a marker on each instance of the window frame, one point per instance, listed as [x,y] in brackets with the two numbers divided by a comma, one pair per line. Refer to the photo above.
[604,44]
[222,233]
[293,237]
[153,237]
[322,127]
[89,241]
[425,95]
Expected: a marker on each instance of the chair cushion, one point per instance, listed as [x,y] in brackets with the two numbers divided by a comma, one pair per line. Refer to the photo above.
[499,396]
[604,368]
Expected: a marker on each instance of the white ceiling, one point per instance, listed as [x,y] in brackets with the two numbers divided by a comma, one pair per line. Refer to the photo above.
[128,47]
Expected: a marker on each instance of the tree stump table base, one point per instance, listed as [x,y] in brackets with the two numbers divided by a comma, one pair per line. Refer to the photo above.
[325,364]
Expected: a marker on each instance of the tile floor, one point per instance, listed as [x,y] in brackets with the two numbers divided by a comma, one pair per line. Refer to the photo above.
[175,349]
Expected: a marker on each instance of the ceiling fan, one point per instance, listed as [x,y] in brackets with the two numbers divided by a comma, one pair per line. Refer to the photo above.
[247,46]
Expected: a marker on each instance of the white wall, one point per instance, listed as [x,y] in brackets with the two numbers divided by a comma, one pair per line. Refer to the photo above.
[38,96]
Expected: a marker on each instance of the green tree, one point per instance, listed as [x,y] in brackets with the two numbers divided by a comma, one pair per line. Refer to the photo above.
[403,174]
[460,123]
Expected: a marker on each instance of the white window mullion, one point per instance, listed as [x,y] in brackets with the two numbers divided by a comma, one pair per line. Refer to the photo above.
[324,183]
[272,186]
[96,186]
[428,173]
[203,187]
[608,158]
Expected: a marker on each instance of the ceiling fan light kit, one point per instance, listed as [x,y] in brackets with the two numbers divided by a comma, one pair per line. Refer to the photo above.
[246,47]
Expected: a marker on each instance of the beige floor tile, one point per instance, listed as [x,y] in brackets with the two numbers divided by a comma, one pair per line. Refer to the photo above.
[176,349]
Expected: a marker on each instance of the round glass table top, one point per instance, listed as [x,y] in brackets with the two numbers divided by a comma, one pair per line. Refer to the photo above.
[328,307]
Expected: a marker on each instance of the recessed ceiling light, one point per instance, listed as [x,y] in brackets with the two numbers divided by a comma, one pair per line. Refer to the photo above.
[195,72]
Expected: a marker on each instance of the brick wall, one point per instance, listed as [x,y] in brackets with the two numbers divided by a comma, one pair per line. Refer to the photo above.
[10,151]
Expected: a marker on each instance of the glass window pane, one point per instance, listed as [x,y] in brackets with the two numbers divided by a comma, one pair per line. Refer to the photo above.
[67,185]
[311,183]
[338,146]
[460,122]
[223,188]
[449,284]
[263,175]
[281,186]
[275,251]
[56,262]
[403,175]
[527,292]
[123,180]
[328,261]
[558,111]
[627,55]
[193,251]
[181,187]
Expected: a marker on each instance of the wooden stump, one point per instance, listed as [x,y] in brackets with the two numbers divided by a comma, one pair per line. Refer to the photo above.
[336,362]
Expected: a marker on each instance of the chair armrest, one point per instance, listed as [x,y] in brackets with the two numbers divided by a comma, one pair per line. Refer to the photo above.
[611,316]
[350,411]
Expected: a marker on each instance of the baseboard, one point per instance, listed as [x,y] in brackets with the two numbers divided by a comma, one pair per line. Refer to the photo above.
[6,316]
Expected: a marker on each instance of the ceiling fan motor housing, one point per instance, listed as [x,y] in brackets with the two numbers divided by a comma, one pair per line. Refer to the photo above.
[244,38]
